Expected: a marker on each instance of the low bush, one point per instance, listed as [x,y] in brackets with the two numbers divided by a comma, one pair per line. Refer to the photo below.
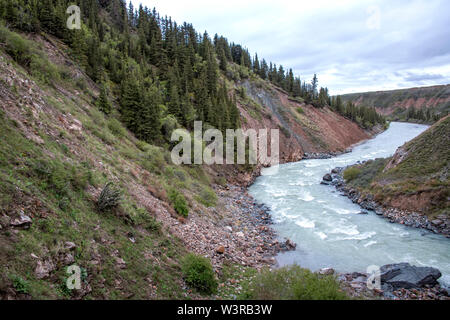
[109,198]
[207,197]
[199,274]
[20,284]
[116,128]
[293,283]
[351,173]
[368,172]
[178,202]
[145,220]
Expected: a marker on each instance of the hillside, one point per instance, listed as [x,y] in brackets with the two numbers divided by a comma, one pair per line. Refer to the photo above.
[424,104]
[69,130]
[415,179]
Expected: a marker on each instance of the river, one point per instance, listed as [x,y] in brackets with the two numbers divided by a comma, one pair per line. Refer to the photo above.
[326,226]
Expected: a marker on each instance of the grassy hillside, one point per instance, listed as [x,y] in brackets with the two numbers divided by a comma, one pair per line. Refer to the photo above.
[416,178]
[65,137]
[426,104]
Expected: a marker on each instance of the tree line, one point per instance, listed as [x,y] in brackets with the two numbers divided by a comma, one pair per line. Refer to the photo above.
[162,74]
[366,117]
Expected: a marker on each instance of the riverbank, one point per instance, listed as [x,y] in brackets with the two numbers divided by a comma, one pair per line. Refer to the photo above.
[440,225]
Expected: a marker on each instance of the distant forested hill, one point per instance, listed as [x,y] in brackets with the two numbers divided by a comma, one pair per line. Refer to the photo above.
[427,104]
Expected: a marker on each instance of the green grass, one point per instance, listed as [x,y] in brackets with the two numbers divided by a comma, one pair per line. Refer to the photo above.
[198,273]
[293,283]
[363,176]
[351,174]
[424,169]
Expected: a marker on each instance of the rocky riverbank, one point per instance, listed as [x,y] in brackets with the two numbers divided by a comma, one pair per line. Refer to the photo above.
[396,282]
[440,225]
[237,231]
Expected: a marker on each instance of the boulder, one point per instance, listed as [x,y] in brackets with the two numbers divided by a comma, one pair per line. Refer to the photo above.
[327,271]
[403,275]
[328,177]
[290,245]
[22,222]
[70,246]
[220,250]
[44,268]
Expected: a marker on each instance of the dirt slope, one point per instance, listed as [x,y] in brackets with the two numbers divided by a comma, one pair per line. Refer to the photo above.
[304,129]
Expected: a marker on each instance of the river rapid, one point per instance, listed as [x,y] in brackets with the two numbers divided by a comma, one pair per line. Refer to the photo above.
[326,226]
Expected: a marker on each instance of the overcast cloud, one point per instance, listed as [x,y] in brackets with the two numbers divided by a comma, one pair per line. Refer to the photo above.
[352,45]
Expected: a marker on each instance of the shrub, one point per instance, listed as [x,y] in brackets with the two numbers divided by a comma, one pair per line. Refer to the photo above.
[368,172]
[20,284]
[17,47]
[207,197]
[300,110]
[116,128]
[198,273]
[351,173]
[179,202]
[144,219]
[43,69]
[293,283]
[109,198]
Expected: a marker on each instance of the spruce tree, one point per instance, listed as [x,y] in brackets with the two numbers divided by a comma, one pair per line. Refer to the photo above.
[103,103]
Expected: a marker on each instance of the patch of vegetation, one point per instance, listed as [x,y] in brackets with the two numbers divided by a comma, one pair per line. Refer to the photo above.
[351,173]
[116,128]
[179,202]
[26,54]
[109,198]
[362,176]
[199,274]
[293,283]
[21,285]
[207,197]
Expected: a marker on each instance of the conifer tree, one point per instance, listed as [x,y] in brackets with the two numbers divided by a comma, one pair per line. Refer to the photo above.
[103,103]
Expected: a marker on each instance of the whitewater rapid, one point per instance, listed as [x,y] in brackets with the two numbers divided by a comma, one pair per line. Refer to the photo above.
[326,226]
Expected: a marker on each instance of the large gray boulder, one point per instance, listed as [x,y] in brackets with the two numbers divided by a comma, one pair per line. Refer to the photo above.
[403,275]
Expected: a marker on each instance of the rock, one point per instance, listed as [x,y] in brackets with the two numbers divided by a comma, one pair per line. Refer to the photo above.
[290,245]
[240,234]
[44,268]
[437,222]
[328,177]
[404,275]
[363,212]
[327,271]
[229,229]
[121,263]
[70,246]
[69,259]
[22,222]
[220,250]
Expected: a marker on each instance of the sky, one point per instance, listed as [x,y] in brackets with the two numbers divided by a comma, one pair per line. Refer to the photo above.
[352,45]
